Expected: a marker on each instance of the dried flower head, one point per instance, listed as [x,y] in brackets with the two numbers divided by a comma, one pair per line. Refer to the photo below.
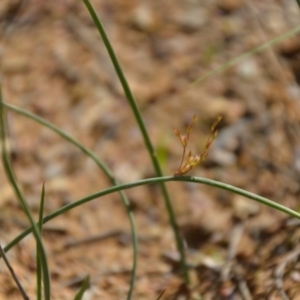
[193,160]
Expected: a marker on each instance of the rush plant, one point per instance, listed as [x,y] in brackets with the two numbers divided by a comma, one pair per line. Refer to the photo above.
[188,162]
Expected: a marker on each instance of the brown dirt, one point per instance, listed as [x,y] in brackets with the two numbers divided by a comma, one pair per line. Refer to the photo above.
[54,64]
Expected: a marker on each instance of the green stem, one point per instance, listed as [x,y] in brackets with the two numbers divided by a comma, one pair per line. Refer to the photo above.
[246,55]
[12,179]
[145,135]
[39,265]
[104,168]
[125,186]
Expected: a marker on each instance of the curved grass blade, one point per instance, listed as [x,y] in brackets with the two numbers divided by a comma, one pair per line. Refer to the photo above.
[199,180]
[246,55]
[85,285]
[12,179]
[147,141]
[103,167]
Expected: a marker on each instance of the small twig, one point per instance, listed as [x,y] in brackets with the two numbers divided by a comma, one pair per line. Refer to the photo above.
[13,274]
[183,156]
[161,294]
[184,140]
[278,73]
[229,267]
[236,236]
[92,239]
[74,281]
[279,273]
[243,287]
[9,16]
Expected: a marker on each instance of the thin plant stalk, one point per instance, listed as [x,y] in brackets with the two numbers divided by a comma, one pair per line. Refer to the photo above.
[147,141]
[39,265]
[13,274]
[160,295]
[106,171]
[156,180]
[246,55]
[12,179]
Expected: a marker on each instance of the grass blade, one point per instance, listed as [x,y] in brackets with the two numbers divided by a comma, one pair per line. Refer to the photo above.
[38,250]
[147,141]
[83,288]
[199,180]
[246,55]
[103,167]
[12,179]
[41,210]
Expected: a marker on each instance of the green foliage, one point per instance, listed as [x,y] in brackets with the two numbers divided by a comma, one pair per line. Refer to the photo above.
[159,157]
[39,265]
[83,288]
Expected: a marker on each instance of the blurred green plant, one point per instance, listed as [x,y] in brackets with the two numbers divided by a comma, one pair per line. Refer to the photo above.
[84,287]
[134,184]
[42,257]
[103,167]
[147,140]
[246,55]
[157,157]
[210,52]
[162,152]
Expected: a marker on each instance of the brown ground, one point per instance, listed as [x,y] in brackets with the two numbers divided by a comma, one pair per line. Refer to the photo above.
[54,64]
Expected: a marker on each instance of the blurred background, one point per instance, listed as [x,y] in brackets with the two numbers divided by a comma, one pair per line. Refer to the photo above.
[54,64]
